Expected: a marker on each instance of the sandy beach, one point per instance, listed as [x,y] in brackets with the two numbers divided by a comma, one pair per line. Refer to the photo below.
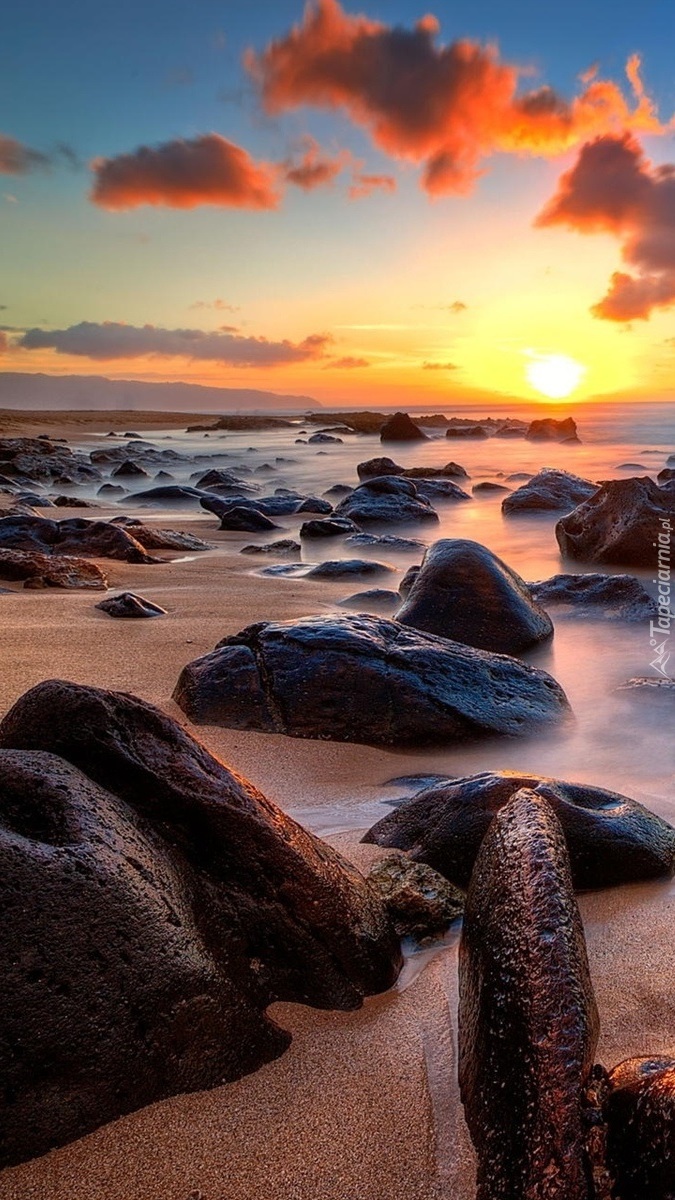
[364,1105]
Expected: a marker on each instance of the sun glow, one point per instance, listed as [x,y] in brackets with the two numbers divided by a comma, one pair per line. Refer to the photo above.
[554,375]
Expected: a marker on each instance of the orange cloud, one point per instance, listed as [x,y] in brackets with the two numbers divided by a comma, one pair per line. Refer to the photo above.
[4,343]
[17,159]
[347,364]
[365,185]
[112,340]
[614,188]
[315,169]
[446,107]
[184,174]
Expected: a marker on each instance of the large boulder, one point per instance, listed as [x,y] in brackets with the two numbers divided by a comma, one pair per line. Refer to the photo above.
[627,522]
[463,591]
[595,596]
[154,904]
[640,1116]
[76,536]
[364,679]
[387,499]
[50,571]
[400,428]
[160,539]
[549,491]
[43,459]
[374,467]
[611,839]
[549,430]
[528,1023]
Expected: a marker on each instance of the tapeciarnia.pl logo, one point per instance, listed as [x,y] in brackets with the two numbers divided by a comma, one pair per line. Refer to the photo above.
[659,630]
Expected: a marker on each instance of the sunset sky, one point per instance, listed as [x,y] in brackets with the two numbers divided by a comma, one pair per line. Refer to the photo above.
[376,202]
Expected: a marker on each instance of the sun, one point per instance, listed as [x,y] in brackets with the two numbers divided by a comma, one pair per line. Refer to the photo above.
[554,375]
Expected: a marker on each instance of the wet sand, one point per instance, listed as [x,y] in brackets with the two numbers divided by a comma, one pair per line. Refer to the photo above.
[364,1105]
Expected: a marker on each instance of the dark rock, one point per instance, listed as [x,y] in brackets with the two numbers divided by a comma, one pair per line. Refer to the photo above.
[470,431]
[387,540]
[128,604]
[131,468]
[40,459]
[111,489]
[246,520]
[640,1116]
[421,903]
[549,491]
[400,428]
[345,568]
[225,481]
[519,476]
[441,489]
[631,467]
[594,596]
[620,524]
[73,502]
[406,584]
[283,546]
[166,493]
[155,904]
[528,1023]
[549,430]
[325,437]
[374,600]
[375,467]
[464,592]
[314,504]
[338,490]
[330,527]
[163,539]
[387,499]
[656,689]
[611,839]
[77,536]
[666,475]
[488,488]
[44,571]
[269,506]
[364,679]
[285,569]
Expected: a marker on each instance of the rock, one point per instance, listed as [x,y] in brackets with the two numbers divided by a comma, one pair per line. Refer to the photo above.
[620,524]
[441,489]
[111,489]
[611,839]
[324,437]
[386,500]
[528,1023]
[640,1116]
[163,539]
[283,546]
[657,689]
[667,475]
[549,491]
[488,488]
[373,600]
[375,467]
[269,506]
[154,905]
[314,504]
[246,520]
[470,431]
[128,604]
[338,490]
[130,468]
[549,430]
[464,592]
[631,467]
[43,570]
[166,493]
[75,536]
[595,596]
[225,481]
[364,679]
[42,459]
[388,540]
[406,584]
[345,568]
[73,502]
[519,476]
[285,569]
[421,903]
[400,428]
[330,527]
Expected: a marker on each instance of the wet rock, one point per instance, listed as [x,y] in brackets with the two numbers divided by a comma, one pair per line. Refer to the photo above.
[282,546]
[549,430]
[373,600]
[400,428]
[488,488]
[338,490]
[595,596]
[406,584]
[167,493]
[44,571]
[631,467]
[330,527]
[364,679]
[269,506]
[163,539]
[528,1023]
[421,903]
[387,499]
[128,604]
[77,536]
[640,1116]
[324,437]
[42,459]
[620,524]
[611,839]
[464,592]
[549,491]
[519,476]
[314,504]
[375,467]
[111,489]
[73,502]
[225,482]
[649,689]
[441,489]
[346,567]
[154,905]
[131,469]
[388,541]
[667,475]
[466,431]
[246,520]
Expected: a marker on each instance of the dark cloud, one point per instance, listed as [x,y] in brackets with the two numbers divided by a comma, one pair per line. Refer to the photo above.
[17,159]
[185,174]
[614,188]
[446,107]
[364,185]
[111,340]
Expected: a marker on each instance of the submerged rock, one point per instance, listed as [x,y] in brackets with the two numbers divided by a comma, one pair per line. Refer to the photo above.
[343,568]
[547,429]
[387,540]
[466,431]
[373,600]
[364,679]
[400,428]
[375,467]
[155,904]
[595,596]
[282,546]
[528,1023]
[657,689]
[387,500]
[549,491]
[463,591]
[441,489]
[487,488]
[640,1116]
[620,524]
[246,520]
[47,571]
[330,527]
[128,604]
[421,903]
[611,839]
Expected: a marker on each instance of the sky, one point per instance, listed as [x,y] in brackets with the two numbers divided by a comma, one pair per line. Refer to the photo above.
[367,203]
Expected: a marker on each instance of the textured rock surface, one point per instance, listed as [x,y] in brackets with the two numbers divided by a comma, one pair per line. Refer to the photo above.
[387,499]
[547,429]
[282,546]
[640,1116]
[421,903]
[364,679]
[463,591]
[620,524]
[100,539]
[45,571]
[162,539]
[549,491]
[147,928]
[328,527]
[611,839]
[400,428]
[373,600]
[604,597]
[527,1018]
[128,604]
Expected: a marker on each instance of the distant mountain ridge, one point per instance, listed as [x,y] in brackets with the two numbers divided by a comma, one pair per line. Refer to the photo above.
[40,391]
